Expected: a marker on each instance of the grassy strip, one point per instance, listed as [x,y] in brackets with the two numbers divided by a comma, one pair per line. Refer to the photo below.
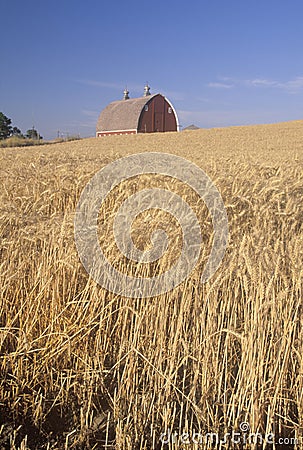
[15,141]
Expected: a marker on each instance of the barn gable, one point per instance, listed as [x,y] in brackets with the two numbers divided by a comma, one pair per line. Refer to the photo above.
[147,114]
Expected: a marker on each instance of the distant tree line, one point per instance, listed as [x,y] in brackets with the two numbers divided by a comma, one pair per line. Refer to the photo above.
[7,130]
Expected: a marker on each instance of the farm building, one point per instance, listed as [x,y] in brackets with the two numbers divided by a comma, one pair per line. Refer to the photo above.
[191,128]
[146,114]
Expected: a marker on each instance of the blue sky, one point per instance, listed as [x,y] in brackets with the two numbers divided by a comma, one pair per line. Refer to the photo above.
[220,62]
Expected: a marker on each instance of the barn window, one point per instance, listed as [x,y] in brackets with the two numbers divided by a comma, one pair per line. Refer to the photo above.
[146,108]
[169,110]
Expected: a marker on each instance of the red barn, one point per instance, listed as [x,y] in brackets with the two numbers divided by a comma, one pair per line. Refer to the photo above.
[147,114]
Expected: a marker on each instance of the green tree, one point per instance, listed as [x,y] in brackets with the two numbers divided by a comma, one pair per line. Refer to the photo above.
[5,126]
[33,134]
[16,132]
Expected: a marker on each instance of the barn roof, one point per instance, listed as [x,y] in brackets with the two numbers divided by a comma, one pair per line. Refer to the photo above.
[122,114]
[191,127]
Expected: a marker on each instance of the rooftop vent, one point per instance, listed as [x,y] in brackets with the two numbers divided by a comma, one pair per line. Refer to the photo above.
[146,90]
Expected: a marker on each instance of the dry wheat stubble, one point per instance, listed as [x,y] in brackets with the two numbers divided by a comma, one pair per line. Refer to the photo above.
[84,368]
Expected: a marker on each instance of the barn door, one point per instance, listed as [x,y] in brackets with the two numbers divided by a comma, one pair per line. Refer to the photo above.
[159,122]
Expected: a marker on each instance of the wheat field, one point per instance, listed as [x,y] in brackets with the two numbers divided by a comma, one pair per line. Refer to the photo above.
[82,368]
